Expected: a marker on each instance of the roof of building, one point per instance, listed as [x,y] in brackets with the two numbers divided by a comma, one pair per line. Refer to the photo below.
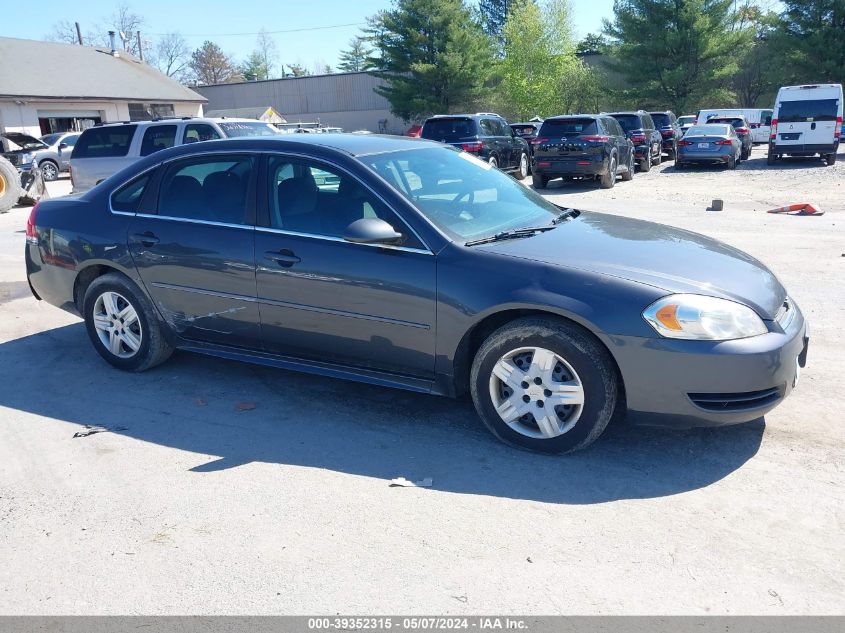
[51,70]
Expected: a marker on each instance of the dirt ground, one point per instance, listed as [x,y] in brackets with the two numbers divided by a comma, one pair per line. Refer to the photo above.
[191,505]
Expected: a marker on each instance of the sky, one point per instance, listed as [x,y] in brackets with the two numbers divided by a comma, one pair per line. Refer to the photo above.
[330,24]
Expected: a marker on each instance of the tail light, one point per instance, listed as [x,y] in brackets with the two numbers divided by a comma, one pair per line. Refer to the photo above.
[596,139]
[742,130]
[838,131]
[638,138]
[31,234]
[774,135]
[475,146]
[725,142]
[682,142]
[544,164]
[583,162]
[537,141]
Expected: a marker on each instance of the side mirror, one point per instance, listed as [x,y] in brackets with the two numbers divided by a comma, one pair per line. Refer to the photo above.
[372,231]
[63,145]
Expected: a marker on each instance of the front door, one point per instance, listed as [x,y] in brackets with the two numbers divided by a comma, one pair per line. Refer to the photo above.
[327,300]
[196,255]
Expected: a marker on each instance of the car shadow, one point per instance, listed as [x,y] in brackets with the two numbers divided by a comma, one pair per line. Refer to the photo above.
[227,414]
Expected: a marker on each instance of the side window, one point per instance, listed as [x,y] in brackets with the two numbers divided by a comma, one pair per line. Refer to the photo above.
[195,132]
[648,122]
[503,129]
[128,197]
[487,127]
[158,137]
[212,189]
[104,142]
[70,141]
[315,199]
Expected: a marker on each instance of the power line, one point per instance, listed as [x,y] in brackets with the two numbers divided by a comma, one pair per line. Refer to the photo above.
[311,28]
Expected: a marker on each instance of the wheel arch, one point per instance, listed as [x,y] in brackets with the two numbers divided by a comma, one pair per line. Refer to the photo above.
[91,271]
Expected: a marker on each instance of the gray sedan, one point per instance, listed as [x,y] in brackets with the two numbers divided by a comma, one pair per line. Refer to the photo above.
[710,143]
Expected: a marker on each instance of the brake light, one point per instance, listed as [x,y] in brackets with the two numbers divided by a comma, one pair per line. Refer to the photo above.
[31,234]
[583,162]
[838,131]
[638,138]
[475,146]
[682,142]
[544,164]
[774,135]
[537,141]
[725,142]
[742,130]
[596,139]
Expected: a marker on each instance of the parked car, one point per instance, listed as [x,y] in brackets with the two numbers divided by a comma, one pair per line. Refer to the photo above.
[414,130]
[57,158]
[759,120]
[528,131]
[424,269]
[742,129]
[670,130]
[686,122]
[105,149]
[710,143]
[582,146]
[486,135]
[807,122]
[640,128]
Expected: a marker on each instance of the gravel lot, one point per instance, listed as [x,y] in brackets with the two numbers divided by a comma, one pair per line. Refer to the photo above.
[198,507]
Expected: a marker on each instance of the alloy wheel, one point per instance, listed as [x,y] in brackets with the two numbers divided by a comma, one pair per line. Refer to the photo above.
[117,324]
[536,392]
[49,171]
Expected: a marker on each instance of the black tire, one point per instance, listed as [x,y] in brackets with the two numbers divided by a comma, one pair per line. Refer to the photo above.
[49,170]
[580,350]
[538,181]
[771,158]
[731,164]
[608,179]
[659,157]
[10,185]
[746,154]
[521,173]
[645,164]
[830,159]
[672,153]
[628,176]
[153,349]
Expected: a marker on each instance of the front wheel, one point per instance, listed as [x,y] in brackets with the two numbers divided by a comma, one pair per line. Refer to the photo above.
[522,172]
[608,179]
[493,162]
[123,325]
[544,384]
[49,170]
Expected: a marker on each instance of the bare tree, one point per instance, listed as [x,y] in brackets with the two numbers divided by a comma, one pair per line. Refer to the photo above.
[211,65]
[266,51]
[63,31]
[173,56]
[125,21]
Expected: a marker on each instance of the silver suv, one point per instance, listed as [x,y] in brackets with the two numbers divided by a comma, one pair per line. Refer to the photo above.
[51,152]
[106,149]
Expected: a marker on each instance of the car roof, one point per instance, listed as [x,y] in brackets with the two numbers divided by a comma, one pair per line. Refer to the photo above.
[192,119]
[560,117]
[631,112]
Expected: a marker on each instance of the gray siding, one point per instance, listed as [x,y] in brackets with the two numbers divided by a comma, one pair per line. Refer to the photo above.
[347,100]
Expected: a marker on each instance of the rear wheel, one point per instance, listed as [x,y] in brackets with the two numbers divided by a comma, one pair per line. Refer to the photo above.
[732,162]
[746,154]
[629,175]
[645,164]
[493,161]
[659,156]
[544,384]
[608,179]
[123,325]
[772,158]
[538,181]
[672,152]
[830,159]
[10,185]
[522,171]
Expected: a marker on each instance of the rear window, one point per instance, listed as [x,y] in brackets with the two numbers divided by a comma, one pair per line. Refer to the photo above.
[661,120]
[248,128]
[102,142]
[629,121]
[808,111]
[568,127]
[524,130]
[708,130]
[683,120]
[451,129]
[734,122]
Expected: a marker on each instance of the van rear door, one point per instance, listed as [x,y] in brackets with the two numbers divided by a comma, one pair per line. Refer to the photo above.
[807,125]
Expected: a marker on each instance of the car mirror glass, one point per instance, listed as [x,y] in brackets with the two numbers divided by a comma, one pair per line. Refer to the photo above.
[372,231]
[63,145]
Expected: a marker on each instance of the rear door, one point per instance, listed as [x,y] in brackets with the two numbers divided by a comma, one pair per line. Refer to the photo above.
[807,122]
[195,248]
[562,141]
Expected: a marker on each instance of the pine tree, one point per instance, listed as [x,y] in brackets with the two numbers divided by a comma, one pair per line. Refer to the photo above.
[810,38]
[494,14]
[433,55]
[355,58]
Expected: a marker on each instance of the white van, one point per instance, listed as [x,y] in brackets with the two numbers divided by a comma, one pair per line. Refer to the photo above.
[759,120]
[807,121]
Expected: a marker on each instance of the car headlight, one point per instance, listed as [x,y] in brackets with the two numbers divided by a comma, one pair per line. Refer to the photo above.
[26,158]
[701,318]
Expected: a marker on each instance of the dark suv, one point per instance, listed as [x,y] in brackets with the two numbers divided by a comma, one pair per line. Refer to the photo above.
[582,145]
[640,128]
[742,129]
[670,130]
[484,134]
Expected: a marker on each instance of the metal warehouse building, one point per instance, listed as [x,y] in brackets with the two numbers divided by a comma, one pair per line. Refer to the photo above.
[346,100]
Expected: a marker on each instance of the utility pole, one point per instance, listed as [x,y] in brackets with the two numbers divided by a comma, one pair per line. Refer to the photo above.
[140,50]
[78,33]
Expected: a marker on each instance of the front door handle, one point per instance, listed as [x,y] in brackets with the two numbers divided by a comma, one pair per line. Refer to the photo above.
[145,239]
[813,125]
[284,257]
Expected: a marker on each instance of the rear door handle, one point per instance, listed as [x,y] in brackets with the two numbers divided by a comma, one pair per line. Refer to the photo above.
[284,257]
[145,239]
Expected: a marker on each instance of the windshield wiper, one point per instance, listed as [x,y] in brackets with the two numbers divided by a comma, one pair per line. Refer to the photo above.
[528,231]
[566,215]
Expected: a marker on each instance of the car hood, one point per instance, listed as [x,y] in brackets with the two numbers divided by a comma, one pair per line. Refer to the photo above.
[661,256]
[23,140]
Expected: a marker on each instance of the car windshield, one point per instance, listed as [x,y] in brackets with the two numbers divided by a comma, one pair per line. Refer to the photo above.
[449,129]
[628,121]
[463,196]
[807,111]
[661,120]
[568,127]
[708,130]
[51,138]
[686,120]
[248,128]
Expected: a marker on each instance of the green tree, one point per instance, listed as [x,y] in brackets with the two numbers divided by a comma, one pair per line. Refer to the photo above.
[591,44]
[676,52]
[539,53]
[298,70]
[357,57]
[810,38]
[254,67]
[494,15]
[432,54]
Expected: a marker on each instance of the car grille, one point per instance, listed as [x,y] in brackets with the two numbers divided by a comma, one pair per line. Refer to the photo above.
[785,314]
[736,401]
[15,159]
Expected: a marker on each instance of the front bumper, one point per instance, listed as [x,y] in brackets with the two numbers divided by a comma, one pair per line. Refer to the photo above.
[700,383]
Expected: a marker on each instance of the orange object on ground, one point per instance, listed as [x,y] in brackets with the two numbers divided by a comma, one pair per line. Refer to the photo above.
[804,208]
